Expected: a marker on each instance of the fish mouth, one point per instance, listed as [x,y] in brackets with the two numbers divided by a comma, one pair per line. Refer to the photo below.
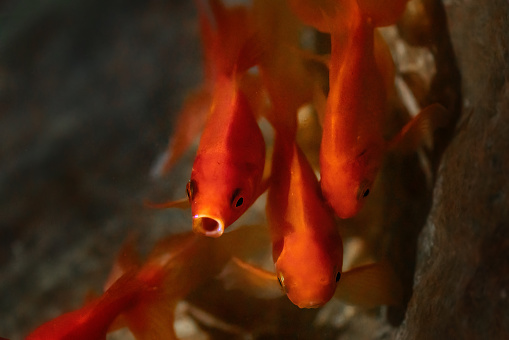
[208,226]
[311,304]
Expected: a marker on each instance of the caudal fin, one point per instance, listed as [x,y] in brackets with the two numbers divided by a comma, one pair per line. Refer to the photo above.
[231,44]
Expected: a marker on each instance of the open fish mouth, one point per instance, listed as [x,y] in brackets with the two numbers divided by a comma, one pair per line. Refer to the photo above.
[208,226]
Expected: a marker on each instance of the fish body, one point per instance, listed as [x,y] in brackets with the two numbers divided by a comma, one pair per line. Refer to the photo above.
[352,141]
[93,320]
[307,248]
[361,78]
[143,295]
[228,169]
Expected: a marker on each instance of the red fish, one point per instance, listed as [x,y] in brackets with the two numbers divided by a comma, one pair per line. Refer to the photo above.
[227,175]
[94,319]
[360,78]
[307,249]
[143,297]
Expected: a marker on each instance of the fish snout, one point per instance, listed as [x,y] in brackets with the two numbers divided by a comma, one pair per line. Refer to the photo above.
[208,226]
[311,304]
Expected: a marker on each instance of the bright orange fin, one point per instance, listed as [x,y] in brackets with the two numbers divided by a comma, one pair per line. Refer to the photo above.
[419,131]
[316,13]
[250,279]
[152,319]
[189,124]
[247,241]
[128,258]
[234,46]
[370,286]
[182,203]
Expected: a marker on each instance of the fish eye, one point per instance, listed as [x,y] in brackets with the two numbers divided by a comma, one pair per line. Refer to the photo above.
[366,193]
[191,189]
[237,199]
[363,190]
[281,280]
[338,276]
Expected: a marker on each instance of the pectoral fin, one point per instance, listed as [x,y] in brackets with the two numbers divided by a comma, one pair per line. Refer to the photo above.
[179,204]
[250,279]
[419,131]
[370,286]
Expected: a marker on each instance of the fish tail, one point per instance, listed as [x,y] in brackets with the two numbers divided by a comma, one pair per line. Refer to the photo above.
[175,266]
[230,42]
[152,316]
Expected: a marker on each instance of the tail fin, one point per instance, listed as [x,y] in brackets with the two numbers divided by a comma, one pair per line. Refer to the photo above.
[282,67]
[228,37]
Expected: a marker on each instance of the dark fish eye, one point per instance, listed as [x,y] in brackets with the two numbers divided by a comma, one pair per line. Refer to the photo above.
[190,189]
[363,190]
[338,276]
[237,200]
[281,280]
[366,193]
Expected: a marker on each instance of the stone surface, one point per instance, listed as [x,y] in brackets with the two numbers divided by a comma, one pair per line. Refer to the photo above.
[462,275]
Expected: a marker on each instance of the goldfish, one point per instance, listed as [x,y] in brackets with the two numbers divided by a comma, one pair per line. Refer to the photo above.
[143,295]
[360,79]
[307,249]
[94,319]
[227,173]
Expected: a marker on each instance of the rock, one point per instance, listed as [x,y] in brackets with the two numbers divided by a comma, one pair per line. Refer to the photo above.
[462,277]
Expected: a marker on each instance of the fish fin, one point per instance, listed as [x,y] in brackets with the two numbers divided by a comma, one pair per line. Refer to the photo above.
[209,320]
[234,46]
[189,124]
[250,279]
[182,203]
[370,286]
[128,258]
[310,56]
[419,131]
[252,86]
[246,241]
[356,253]
[250,54]
[152,319]
[318,14]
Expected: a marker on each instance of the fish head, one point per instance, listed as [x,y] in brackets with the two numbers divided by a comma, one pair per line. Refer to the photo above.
[220,193]
[308,267]
[347,184]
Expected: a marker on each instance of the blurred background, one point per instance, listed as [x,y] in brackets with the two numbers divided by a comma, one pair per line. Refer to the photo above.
[88,90]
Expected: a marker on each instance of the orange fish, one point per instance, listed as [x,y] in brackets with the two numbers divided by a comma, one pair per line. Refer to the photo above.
[360,77]
[306,246]
[227,175]
[143,297]
[94,319]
